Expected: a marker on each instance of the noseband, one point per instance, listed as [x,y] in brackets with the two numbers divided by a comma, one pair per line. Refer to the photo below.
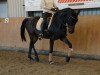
[69,18]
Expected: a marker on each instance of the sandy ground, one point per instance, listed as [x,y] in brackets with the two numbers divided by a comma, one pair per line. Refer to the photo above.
[17,63]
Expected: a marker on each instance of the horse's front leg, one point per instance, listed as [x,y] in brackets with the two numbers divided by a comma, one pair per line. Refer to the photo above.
[66,41]
[51,51]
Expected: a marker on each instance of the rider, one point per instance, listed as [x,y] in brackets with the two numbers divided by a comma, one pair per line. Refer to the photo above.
[46,5]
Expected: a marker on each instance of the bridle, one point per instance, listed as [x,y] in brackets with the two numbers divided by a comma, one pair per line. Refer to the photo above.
[72,18]
[68,19]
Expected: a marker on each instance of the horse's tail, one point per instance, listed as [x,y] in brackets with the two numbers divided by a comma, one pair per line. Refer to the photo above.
[22,29]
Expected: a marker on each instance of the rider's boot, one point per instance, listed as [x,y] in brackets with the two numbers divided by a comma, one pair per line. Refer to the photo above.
[40,36]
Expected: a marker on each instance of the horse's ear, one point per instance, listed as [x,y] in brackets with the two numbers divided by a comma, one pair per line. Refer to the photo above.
[77,11]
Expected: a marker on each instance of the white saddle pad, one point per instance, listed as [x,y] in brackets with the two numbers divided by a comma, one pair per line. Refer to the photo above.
[38,25]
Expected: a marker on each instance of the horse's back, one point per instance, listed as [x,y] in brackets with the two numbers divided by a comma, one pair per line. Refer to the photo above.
[30,23]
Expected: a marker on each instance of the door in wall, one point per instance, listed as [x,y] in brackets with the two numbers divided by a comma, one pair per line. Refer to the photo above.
[3,9]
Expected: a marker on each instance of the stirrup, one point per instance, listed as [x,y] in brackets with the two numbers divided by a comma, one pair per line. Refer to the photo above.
[46,30]
[40,36]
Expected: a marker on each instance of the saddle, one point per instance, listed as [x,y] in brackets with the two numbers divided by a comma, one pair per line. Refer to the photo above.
[39,23]
[49,20]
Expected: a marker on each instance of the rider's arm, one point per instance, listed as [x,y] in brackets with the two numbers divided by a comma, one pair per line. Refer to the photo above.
[44,6]
[54,3]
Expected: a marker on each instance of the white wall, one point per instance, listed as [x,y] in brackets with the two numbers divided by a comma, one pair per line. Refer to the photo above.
[16,8]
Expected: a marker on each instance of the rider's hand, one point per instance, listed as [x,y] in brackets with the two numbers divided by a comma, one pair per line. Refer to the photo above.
[54,9]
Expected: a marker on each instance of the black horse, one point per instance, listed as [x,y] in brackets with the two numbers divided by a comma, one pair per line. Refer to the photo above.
[62,20]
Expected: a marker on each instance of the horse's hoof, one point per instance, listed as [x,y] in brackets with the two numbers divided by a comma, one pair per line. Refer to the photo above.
[31,59]
[37,59]
[51,62]
[67,59]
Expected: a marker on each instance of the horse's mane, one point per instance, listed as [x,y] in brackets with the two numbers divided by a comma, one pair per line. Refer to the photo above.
[58,22]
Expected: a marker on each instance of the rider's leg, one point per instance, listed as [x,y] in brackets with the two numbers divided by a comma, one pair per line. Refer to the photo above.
[45,20]
[44,23]
[42,26]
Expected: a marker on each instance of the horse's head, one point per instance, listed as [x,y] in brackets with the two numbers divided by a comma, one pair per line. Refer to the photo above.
[70,18]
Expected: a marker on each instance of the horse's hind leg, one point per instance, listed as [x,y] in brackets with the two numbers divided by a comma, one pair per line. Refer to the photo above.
[30,50]
[35,38]
[32,42]
[36,55]
[66,41]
